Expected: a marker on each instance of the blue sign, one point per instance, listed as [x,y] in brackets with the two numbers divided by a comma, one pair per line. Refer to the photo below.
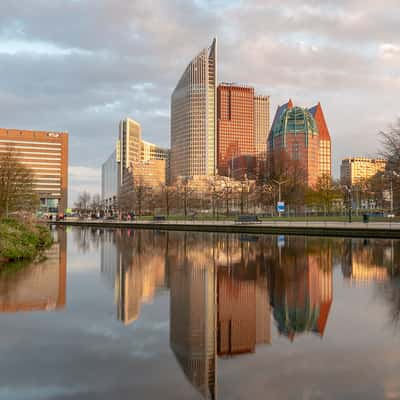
[281,241]
[280,206]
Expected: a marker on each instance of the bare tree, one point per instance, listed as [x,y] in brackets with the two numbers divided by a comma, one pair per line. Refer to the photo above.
[141,194]
[83,201]
[16,185]
[95,203]
[390,140]
[168,196]
[185,194]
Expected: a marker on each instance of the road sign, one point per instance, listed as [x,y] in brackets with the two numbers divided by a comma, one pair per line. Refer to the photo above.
[280,207]
[281,241]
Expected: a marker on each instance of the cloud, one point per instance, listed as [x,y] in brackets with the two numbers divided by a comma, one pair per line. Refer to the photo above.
[82,179]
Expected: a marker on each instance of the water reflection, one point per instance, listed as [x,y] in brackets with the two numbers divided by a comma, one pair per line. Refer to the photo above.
[134,265]
[224,289]
[232,298]
[39,287]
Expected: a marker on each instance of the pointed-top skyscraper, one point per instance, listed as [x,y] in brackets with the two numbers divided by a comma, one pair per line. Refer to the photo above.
[193,117]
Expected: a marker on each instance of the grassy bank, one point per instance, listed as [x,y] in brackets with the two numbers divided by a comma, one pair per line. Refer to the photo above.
[21,241]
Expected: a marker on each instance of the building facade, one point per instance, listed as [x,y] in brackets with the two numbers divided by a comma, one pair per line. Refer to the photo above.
[242,130]
[294,144]
[139,162]
[355,170]
[261,129]
[158,158]
[325,147]
[193,117]
[110,181]
[235,128]
[46,154]
[299,140]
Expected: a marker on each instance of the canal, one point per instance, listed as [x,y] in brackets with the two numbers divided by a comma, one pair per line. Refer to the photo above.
[141,314]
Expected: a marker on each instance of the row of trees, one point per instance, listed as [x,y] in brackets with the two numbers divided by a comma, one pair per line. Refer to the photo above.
[87,202]
[225,196]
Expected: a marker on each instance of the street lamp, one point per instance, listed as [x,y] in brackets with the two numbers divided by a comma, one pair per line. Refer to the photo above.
[279,183]
[392,174]
[350,193]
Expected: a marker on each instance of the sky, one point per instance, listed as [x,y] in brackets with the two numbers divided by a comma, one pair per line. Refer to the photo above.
[83,65]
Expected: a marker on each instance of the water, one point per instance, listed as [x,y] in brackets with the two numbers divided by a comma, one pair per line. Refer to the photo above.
[125,314]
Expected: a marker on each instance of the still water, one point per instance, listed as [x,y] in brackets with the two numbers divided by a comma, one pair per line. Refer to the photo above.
[127,314]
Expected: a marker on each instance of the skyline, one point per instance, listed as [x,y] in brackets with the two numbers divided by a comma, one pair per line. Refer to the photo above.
[84,75]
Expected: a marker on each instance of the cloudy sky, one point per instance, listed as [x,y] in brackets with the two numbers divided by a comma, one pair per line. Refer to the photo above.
[82,65]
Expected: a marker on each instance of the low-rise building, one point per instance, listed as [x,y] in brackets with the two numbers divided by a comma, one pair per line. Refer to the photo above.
[355,170]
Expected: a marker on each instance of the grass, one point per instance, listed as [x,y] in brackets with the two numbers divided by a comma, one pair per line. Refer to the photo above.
[21,241]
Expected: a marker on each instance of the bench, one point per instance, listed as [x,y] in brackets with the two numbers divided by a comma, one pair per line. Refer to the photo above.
[159,218]
[247,219]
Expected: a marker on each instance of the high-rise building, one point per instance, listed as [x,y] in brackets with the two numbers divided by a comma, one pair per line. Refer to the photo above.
[235,127]
[325,150]
[242,129]
[46,154]
[261,129]
[193,117]
[110,181]
[129,146]
[299,139]
[358,169]
[139,162]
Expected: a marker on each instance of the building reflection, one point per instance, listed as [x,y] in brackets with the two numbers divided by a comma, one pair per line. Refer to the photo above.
[301,287]
[39,287]
[225,289]
[219,303]
[363,262]
[134,264]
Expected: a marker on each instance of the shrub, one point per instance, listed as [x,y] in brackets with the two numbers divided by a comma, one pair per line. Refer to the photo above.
[21,241]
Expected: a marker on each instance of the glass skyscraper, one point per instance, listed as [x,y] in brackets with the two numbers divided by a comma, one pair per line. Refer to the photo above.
[193,117]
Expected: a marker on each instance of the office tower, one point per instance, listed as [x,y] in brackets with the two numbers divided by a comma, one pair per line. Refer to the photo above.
[325,150]
[128,153]
[46,154]
[242,129]
[110,182]
[355,170]
[140,163]
[235,130]
[193,117]
[293,144]
[261,129]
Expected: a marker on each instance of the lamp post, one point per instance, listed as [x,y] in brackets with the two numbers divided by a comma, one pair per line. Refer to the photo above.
[349,192]
[392,175]
[279,183]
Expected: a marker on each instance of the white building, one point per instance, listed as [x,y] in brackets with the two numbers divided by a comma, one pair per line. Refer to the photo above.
[193,117]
